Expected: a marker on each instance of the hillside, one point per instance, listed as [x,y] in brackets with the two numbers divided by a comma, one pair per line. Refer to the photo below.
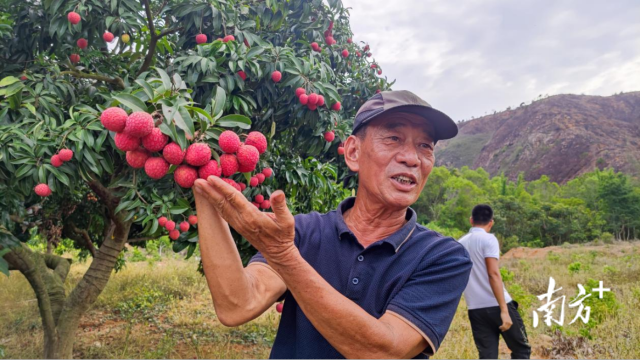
[560,136]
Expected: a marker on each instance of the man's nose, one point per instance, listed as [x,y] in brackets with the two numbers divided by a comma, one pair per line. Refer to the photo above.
[409,156]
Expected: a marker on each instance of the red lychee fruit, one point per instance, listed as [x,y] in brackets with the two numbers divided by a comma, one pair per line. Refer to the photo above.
[379,72]
[211,168]
[73,17]
[276,76]
[366,48]
[349,41]
[82,43]
[185,176]
[259,198]
[246,43]
[345,53]
[114,119]
[341,150]
[125,142]
[368,54]
[253,182]
[320,100]
[329,136]
[198,154]
[170,225]
[242,186]
[193,219]
[358,54]
[260,177]
[229,164]
[137,158]
[267,172]
[248,157]
[336,106]
[304,99]
[257,139]
[265,204]
[232,183]
[242,74]
[228,38]
[315,46]
[156,167]
[312,107]
[74,58]
[255,204]
[155,141]
[378,91]
[174,234]
[300,91]
[201,38]
[23,78]
[56,161]
[42,190]
[373,66]
[162,221]
[313,99]
[107,36]
[65,155]
[329,40]
[229,142]
[184,226]
[139,124]
[279,307]
[173,154]
[245,168]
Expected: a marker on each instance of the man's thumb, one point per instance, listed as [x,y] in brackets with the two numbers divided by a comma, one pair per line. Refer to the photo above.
[279,205]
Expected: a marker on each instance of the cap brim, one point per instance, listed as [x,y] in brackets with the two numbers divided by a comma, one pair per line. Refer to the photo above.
[444,127]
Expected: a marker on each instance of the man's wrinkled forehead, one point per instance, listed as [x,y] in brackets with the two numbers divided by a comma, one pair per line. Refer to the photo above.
[399,120]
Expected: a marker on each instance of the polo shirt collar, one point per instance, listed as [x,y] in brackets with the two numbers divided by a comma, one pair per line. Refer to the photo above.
[396,239]
[477,229]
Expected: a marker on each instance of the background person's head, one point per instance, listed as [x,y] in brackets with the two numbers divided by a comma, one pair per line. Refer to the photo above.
[482,217]
[392,147]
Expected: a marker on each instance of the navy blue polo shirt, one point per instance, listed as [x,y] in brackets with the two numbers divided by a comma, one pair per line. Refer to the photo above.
[416,273]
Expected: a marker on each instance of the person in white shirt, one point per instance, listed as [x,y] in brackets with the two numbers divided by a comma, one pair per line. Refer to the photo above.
[491,310]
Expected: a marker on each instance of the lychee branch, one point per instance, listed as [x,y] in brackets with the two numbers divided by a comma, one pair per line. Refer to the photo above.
[116,81]
[154,38]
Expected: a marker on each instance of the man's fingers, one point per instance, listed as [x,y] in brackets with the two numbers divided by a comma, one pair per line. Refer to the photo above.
[279,206]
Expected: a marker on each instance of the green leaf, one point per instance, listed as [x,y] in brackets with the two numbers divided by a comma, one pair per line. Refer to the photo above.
[8,81]
[132,102]
[183,119]
[221,98]
[166,80]
[255,51]
[146,87]
[234,120]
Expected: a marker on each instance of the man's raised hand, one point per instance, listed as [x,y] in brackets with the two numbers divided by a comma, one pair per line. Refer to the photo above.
[271,233]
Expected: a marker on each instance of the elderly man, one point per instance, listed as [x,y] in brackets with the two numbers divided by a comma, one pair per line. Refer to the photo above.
[364,280]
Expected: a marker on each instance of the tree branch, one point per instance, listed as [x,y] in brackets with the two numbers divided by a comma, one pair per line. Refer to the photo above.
[151,50]
[116,81]
[141,239]
[84,236]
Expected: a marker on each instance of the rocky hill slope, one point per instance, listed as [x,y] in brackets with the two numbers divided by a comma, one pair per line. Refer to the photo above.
[560,136]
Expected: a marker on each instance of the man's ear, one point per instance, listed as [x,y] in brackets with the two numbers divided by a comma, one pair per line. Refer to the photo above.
[352,152]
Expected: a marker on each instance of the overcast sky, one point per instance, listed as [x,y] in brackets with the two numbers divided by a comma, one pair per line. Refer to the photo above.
[467,58]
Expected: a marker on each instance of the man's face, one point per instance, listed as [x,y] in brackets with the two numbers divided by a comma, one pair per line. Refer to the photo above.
[394,159]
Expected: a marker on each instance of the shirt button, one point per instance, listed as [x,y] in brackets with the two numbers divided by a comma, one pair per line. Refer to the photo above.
[360,258]
[355,281]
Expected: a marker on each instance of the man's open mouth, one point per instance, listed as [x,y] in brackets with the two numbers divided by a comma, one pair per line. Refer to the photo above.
[405,180]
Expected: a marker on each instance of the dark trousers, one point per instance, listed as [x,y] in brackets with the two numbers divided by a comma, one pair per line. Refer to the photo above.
[485,325]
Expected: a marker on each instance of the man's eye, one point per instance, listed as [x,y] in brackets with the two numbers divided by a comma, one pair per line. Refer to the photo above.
[394,138]
[426,146]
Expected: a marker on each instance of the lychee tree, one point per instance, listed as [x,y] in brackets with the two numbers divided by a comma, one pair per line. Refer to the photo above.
[110,110]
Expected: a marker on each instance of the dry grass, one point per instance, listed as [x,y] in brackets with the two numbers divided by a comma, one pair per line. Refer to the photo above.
[164,310]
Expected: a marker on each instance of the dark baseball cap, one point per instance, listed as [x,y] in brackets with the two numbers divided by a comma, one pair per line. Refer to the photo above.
[389,102]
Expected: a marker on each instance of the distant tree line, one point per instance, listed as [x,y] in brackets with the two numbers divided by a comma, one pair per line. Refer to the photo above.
[603,204]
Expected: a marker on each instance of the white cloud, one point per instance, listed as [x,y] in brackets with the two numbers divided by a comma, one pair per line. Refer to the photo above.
[472,57]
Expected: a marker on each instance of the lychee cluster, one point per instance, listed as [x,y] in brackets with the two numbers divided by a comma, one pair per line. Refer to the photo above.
[61,157]
[175,229]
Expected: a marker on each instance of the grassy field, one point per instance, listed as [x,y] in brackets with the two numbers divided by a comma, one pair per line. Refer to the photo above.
[163,310]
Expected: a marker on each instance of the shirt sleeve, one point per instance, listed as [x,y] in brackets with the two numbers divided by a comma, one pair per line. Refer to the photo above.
[429,299]
[491,248]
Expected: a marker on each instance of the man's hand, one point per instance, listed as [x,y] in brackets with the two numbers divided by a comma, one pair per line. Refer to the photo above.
[506,321]
[272,234]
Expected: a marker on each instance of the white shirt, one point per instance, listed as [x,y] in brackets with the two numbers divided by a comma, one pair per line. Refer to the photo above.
[481,245]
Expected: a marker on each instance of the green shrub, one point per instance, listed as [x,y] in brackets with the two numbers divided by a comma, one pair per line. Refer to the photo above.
[553,257]
[137,255]
[607,238]
[507,275]
[575,267]
[510,243]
